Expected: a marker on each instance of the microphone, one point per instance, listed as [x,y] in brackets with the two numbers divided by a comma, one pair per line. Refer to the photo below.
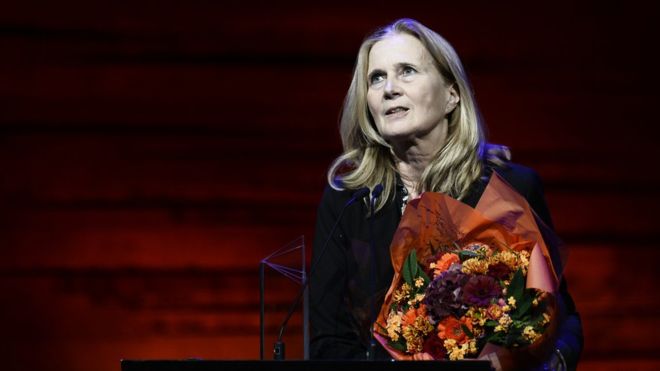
[375,193]
[279,348]
[378,189]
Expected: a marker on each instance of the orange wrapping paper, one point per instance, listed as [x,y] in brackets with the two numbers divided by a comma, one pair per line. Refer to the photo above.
[502,216]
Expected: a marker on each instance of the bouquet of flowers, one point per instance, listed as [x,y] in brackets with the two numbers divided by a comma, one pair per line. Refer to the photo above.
[469,281]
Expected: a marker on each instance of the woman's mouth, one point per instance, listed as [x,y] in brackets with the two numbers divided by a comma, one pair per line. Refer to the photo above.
[396,111]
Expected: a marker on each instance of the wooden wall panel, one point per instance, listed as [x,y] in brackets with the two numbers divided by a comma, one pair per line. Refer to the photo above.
[153,153]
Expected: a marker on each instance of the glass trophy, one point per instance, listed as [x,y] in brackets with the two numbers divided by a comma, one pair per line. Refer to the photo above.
[284,310]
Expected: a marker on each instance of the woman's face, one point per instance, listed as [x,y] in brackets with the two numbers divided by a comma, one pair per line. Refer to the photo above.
[407,96]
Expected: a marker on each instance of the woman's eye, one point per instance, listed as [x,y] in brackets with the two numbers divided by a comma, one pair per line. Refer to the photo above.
[408,70]
[376,78]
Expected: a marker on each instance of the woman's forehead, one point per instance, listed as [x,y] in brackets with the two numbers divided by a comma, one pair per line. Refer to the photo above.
[396,49]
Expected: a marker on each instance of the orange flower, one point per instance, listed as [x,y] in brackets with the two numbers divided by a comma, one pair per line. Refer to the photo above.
[411,315]
[445,261]
[450,328]
[494,311]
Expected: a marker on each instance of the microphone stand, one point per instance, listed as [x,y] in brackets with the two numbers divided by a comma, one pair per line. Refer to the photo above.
[371,352]
[279,347]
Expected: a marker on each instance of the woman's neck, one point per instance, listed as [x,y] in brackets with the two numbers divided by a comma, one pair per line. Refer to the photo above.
[414,154]
[411,161]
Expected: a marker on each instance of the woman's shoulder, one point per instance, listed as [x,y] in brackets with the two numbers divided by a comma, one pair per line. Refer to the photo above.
[333,195]
[333,200]
[497,158]
[524,179]
[528,183]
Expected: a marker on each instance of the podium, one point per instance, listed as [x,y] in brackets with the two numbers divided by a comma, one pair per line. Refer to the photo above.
[212,365]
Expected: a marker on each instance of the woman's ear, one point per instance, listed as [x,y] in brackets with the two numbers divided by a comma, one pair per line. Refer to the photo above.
[452,99]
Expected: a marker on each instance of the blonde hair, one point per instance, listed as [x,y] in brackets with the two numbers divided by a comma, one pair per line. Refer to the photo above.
[452,169]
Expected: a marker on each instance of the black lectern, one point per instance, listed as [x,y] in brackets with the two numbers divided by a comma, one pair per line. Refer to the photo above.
[199,365]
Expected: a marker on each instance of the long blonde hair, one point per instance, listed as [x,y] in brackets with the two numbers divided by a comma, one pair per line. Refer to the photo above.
[369,157]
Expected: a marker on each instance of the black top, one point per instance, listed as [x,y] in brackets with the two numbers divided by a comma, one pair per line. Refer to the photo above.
[341,307]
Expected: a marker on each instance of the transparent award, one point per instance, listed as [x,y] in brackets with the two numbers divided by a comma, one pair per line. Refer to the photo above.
[284,309]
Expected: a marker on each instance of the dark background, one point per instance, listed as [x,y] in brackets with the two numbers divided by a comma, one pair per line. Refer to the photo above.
[153,152]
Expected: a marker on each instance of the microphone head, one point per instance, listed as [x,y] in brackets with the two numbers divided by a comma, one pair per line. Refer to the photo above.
[378,189]
[360,193]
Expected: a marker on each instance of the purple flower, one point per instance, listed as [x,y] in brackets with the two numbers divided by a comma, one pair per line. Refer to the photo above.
[434,346]
[443,294]
[499,271]
[480,289]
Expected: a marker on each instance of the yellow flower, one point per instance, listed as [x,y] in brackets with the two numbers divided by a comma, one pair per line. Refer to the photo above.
[473,346]
[511,301]
[530,334]
[450,344]
[474,265]
[508,258]
[423,325]
[402,293]
[485,249]
[394,325]
[414,340]
[524,260]
[546,318]
[477,315]
[419,282]
[505,321]
[415,331]
[417,299]
[454,351]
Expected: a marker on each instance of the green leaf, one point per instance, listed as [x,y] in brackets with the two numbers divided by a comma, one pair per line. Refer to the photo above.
[543,305]
[398,346]
[497,338]
[467,331]
[523,308]
[466,254]
[491,323]
[426,278]
[381,327]
[408,268]
[511,337]
[517,286]
[526,301]
[536,318]
[414,266]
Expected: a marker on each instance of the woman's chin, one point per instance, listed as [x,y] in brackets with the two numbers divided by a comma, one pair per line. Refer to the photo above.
[402,135]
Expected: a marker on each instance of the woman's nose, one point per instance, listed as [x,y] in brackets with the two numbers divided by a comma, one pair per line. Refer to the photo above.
[391,89]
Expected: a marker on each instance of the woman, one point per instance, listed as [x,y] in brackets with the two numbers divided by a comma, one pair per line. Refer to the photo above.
[410,123]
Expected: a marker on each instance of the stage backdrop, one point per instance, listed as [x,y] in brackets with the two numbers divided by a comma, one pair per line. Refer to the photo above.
[153,152]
